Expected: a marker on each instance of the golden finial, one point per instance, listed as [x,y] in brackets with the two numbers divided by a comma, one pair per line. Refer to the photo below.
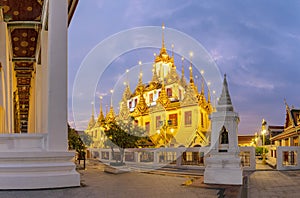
[100,97]
[208,91]
[182,67]
[93,111]
[202,86]
[172,50]
[141,74]
[101,116]
[111,91]
[127,79]
[163,36]
[191,68]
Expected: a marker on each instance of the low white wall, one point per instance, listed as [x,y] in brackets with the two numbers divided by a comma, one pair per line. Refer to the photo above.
[289,161]
[171,157]
[251,151]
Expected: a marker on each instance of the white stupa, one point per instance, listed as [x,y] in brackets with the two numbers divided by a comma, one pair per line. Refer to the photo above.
[223,164]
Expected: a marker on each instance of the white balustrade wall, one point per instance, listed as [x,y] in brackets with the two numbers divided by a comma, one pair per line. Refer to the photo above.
[181,157]
[284,157]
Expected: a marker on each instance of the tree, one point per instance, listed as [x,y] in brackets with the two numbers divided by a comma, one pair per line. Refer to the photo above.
[75,142]
[87,139]
[111,145]
[124,134]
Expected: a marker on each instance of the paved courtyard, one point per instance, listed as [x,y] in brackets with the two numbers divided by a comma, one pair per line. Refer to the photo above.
[96,183]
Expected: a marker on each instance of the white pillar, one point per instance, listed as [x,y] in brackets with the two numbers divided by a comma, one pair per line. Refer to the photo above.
[42,85]
[57,75]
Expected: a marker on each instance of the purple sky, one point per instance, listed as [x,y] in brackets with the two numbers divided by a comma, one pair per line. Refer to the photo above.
[254,42]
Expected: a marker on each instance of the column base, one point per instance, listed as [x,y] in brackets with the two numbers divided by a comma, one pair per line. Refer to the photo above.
[37,170]
[223,169]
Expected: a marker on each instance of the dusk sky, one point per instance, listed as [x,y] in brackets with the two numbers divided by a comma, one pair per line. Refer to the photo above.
[255,42]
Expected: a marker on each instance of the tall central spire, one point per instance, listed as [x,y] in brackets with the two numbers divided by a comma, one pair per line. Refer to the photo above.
[192,84]
[141,74]
[101,115]
[163,35]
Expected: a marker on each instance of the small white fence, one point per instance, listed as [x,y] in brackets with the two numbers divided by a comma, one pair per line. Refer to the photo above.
[184,158]
[284,157]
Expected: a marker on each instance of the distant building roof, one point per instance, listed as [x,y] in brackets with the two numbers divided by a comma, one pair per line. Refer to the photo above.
[245,139]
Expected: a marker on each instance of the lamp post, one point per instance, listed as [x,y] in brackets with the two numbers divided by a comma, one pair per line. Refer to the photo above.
[263,132]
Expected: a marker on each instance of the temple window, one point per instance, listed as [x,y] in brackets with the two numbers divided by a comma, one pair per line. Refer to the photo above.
[135,102]
[147,127]
[169,92]
[188,118]
[151,97]
[157,122]
[130,104]
[202,120]
[173,118]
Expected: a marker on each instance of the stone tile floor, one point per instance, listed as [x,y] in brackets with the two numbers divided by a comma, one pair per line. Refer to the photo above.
[96,183]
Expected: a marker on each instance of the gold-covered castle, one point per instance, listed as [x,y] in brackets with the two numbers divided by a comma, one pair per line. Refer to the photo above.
[172,111]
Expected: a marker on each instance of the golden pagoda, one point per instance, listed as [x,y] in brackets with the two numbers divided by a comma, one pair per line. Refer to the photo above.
[169,107]
[172,111]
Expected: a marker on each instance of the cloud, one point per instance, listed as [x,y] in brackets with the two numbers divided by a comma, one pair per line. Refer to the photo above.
[259,83]
[294,36]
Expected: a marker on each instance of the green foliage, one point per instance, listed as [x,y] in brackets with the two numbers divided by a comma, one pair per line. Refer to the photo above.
[75,142]
[124,134]
[87,139]
[259,150]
